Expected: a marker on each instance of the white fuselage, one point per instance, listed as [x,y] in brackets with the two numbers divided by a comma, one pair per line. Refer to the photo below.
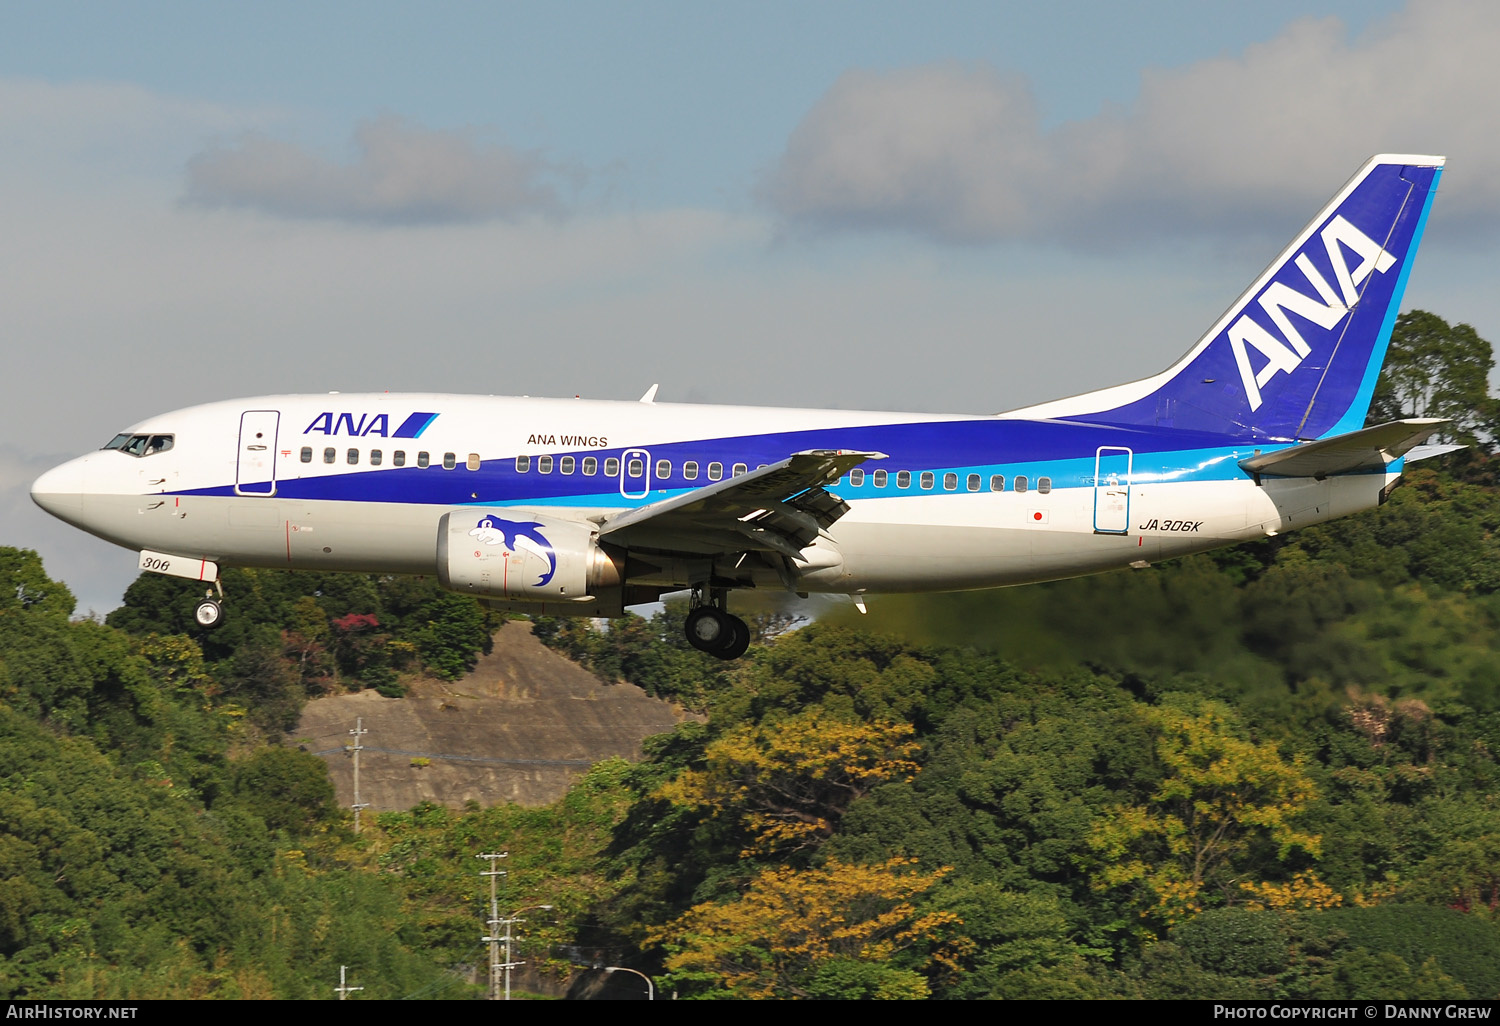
[312,482]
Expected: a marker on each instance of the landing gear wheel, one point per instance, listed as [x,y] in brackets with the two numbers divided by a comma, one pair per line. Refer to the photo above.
[707,629]
[738,639]
[710,629]
[209,614]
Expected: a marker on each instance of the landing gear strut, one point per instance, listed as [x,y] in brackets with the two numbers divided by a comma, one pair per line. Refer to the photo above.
[210,612]
[712,629]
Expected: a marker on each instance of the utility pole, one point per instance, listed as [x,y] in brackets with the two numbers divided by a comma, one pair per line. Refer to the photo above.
[493,938]
[343,989]
[511,963]
[359,731]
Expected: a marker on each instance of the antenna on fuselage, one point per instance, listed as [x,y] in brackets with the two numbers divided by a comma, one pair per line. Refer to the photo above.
[650,396]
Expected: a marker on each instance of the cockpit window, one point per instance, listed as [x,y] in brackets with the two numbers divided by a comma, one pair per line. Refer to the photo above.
[141,445]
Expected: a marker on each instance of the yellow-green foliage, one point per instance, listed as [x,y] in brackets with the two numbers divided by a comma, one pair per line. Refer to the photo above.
[790,923]
[792,779]
[1219,793]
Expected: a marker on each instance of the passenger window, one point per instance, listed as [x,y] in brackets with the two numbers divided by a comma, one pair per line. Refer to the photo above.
[997,482]
[1021,483]
[352,457]
[523,464]
[950,482]
[637,466]
[927,479]
[973,482]
[715,471]
[611,466]
[565,465]
[423,459]
[590,466]
[398,458]
[375,457]
[450,460]
[473,461]
[739,468]
[880,478]
[544,464]
[663,469]
[307,454]
[330,455]
[856,478]
[690,470]
[1044,485]
[903,479]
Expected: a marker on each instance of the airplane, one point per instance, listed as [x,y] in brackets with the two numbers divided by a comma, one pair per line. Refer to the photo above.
[583,507]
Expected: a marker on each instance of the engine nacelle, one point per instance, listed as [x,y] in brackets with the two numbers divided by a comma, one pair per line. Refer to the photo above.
[524,557]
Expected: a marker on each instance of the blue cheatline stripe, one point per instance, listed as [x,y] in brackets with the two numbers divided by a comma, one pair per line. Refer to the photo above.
[413,426]
[1061,450]
[496,485]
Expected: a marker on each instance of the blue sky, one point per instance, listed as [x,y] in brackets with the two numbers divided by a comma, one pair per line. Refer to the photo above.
[962,206]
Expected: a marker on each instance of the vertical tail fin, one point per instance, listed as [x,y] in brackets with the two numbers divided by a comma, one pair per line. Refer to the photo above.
[1298,354]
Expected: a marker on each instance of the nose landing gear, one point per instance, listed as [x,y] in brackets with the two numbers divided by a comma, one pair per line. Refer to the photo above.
[712,629]
[210,612]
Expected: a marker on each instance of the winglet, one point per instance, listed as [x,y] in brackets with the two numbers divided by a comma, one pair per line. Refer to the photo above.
[650,396]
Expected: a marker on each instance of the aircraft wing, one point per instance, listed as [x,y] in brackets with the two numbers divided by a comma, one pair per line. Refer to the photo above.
[779,508]
[1370,448]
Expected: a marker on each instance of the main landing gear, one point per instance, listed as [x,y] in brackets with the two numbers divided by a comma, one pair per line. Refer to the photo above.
[712,629]
[210,612]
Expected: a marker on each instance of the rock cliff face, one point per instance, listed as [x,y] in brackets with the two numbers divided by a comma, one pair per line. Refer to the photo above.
[521,728]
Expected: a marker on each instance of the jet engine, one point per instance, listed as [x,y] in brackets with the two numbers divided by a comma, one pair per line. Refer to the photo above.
[525,557]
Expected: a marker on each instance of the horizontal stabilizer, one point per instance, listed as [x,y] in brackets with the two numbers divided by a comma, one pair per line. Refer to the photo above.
[1370,448]
[1427,452]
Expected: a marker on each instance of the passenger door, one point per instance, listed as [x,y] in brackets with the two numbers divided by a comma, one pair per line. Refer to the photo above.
[255,473]
[1112,465]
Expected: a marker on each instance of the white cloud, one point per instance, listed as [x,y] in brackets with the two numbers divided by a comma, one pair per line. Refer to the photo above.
[1234,143]
[404,173]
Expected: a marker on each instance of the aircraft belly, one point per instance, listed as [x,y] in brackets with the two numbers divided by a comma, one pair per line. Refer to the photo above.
[982,540]
[986,540]
[375,537]
[240,531]
[1288,503]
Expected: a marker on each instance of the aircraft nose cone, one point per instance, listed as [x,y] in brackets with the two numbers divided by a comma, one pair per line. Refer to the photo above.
[60,491]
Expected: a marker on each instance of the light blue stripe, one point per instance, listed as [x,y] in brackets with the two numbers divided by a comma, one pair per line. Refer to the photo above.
[1359,408]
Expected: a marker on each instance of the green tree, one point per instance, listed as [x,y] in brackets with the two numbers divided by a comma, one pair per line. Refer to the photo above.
[1220,794]
[1434,369]
[25,586]
[288,789]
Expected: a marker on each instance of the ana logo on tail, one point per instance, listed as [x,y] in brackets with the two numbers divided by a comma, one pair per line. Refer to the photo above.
[518,536]
[1285,354]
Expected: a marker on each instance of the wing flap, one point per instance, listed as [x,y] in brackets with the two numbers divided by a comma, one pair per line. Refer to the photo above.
[1371,448]
[779,508]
